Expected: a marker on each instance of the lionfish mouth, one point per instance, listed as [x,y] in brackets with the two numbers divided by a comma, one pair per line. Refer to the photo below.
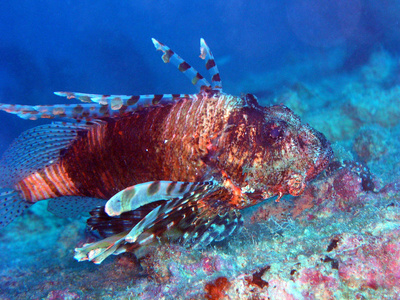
[259,195]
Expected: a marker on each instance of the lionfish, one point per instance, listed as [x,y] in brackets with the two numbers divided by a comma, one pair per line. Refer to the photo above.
[171,167]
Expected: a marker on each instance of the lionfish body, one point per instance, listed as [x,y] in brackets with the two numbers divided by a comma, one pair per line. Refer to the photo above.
[166,163]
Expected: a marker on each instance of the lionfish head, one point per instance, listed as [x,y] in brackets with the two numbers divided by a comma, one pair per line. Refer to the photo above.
[289,154]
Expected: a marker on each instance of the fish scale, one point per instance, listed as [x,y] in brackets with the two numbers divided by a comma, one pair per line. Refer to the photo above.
[170,167]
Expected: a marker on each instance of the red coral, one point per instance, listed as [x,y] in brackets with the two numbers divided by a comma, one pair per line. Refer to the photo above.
[216,290]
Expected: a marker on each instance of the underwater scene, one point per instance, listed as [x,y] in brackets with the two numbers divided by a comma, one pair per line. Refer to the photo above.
[200,149]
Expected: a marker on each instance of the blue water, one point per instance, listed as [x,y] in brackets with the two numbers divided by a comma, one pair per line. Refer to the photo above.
[262,47]
[106,48]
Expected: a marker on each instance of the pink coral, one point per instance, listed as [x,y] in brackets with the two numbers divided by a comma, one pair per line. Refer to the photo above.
[320,286]
[347,186]
[369,262]
[62,295]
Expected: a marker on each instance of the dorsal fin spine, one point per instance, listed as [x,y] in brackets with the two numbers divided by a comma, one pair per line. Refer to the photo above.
[211,66]
[100,106]
[169,56]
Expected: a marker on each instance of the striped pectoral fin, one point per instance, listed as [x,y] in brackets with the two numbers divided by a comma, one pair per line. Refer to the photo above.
[141,194]
[154,224]
[216,227]
[98,251]
[211,66]
[197,218]
[161,204]
[169,56]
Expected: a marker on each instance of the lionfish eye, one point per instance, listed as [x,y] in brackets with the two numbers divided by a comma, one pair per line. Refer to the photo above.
[274,131]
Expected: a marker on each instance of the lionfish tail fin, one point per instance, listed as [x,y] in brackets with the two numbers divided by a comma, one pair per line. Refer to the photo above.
[45,143]
[170,56]
[211,66]
[11,206]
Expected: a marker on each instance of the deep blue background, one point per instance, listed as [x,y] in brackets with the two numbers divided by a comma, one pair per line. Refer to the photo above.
[105,46]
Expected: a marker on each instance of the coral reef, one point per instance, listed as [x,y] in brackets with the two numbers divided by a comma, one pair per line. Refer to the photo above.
[339,240]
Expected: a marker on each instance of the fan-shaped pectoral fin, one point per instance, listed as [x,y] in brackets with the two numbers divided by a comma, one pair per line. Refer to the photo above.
[141,194]
[195,218]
